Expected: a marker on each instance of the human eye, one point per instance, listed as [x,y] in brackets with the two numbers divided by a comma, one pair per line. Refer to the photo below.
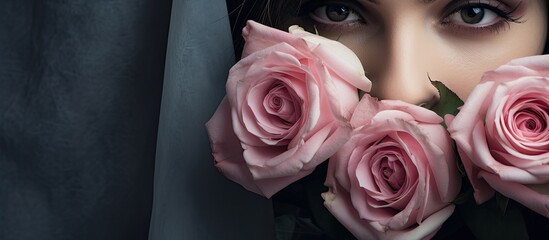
[480,16]
[334,14]
[331,13]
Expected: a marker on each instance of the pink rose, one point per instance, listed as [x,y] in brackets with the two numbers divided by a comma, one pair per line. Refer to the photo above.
[287,107]
[396,177]
[502,133]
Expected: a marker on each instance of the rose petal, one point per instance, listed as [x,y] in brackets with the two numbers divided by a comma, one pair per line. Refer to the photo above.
[339,58]
[366,110]
[273,162]
[226,149]
[426,229]
[519,192]
[258,37]
[482,191]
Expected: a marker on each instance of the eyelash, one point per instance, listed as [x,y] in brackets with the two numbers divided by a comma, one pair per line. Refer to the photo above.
[309,7]
[505,16]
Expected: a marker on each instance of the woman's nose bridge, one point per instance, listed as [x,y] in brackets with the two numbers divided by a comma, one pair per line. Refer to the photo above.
[405,74]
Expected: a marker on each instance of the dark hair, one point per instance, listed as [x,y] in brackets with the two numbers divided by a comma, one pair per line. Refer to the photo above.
[273,13]
[269,12]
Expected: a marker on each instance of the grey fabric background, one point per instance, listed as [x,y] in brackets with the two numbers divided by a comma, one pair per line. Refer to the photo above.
[191,199]
[80,91]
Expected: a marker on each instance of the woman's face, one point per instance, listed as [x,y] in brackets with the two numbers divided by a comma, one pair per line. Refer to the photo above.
[403,43]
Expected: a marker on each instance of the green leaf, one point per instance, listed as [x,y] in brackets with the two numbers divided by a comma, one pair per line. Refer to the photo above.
[502,202]
[463,197]
[486,221]
[285,227]
[449,101]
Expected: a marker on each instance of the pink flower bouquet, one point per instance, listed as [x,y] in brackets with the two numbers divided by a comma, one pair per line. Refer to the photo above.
[293,128]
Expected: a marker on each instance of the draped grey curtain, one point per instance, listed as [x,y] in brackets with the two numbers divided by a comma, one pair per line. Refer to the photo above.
[192,200]
[81,88]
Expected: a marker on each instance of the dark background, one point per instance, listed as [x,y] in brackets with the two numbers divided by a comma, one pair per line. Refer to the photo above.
[80,90]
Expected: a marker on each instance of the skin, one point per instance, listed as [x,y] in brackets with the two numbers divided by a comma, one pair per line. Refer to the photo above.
[402,43]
